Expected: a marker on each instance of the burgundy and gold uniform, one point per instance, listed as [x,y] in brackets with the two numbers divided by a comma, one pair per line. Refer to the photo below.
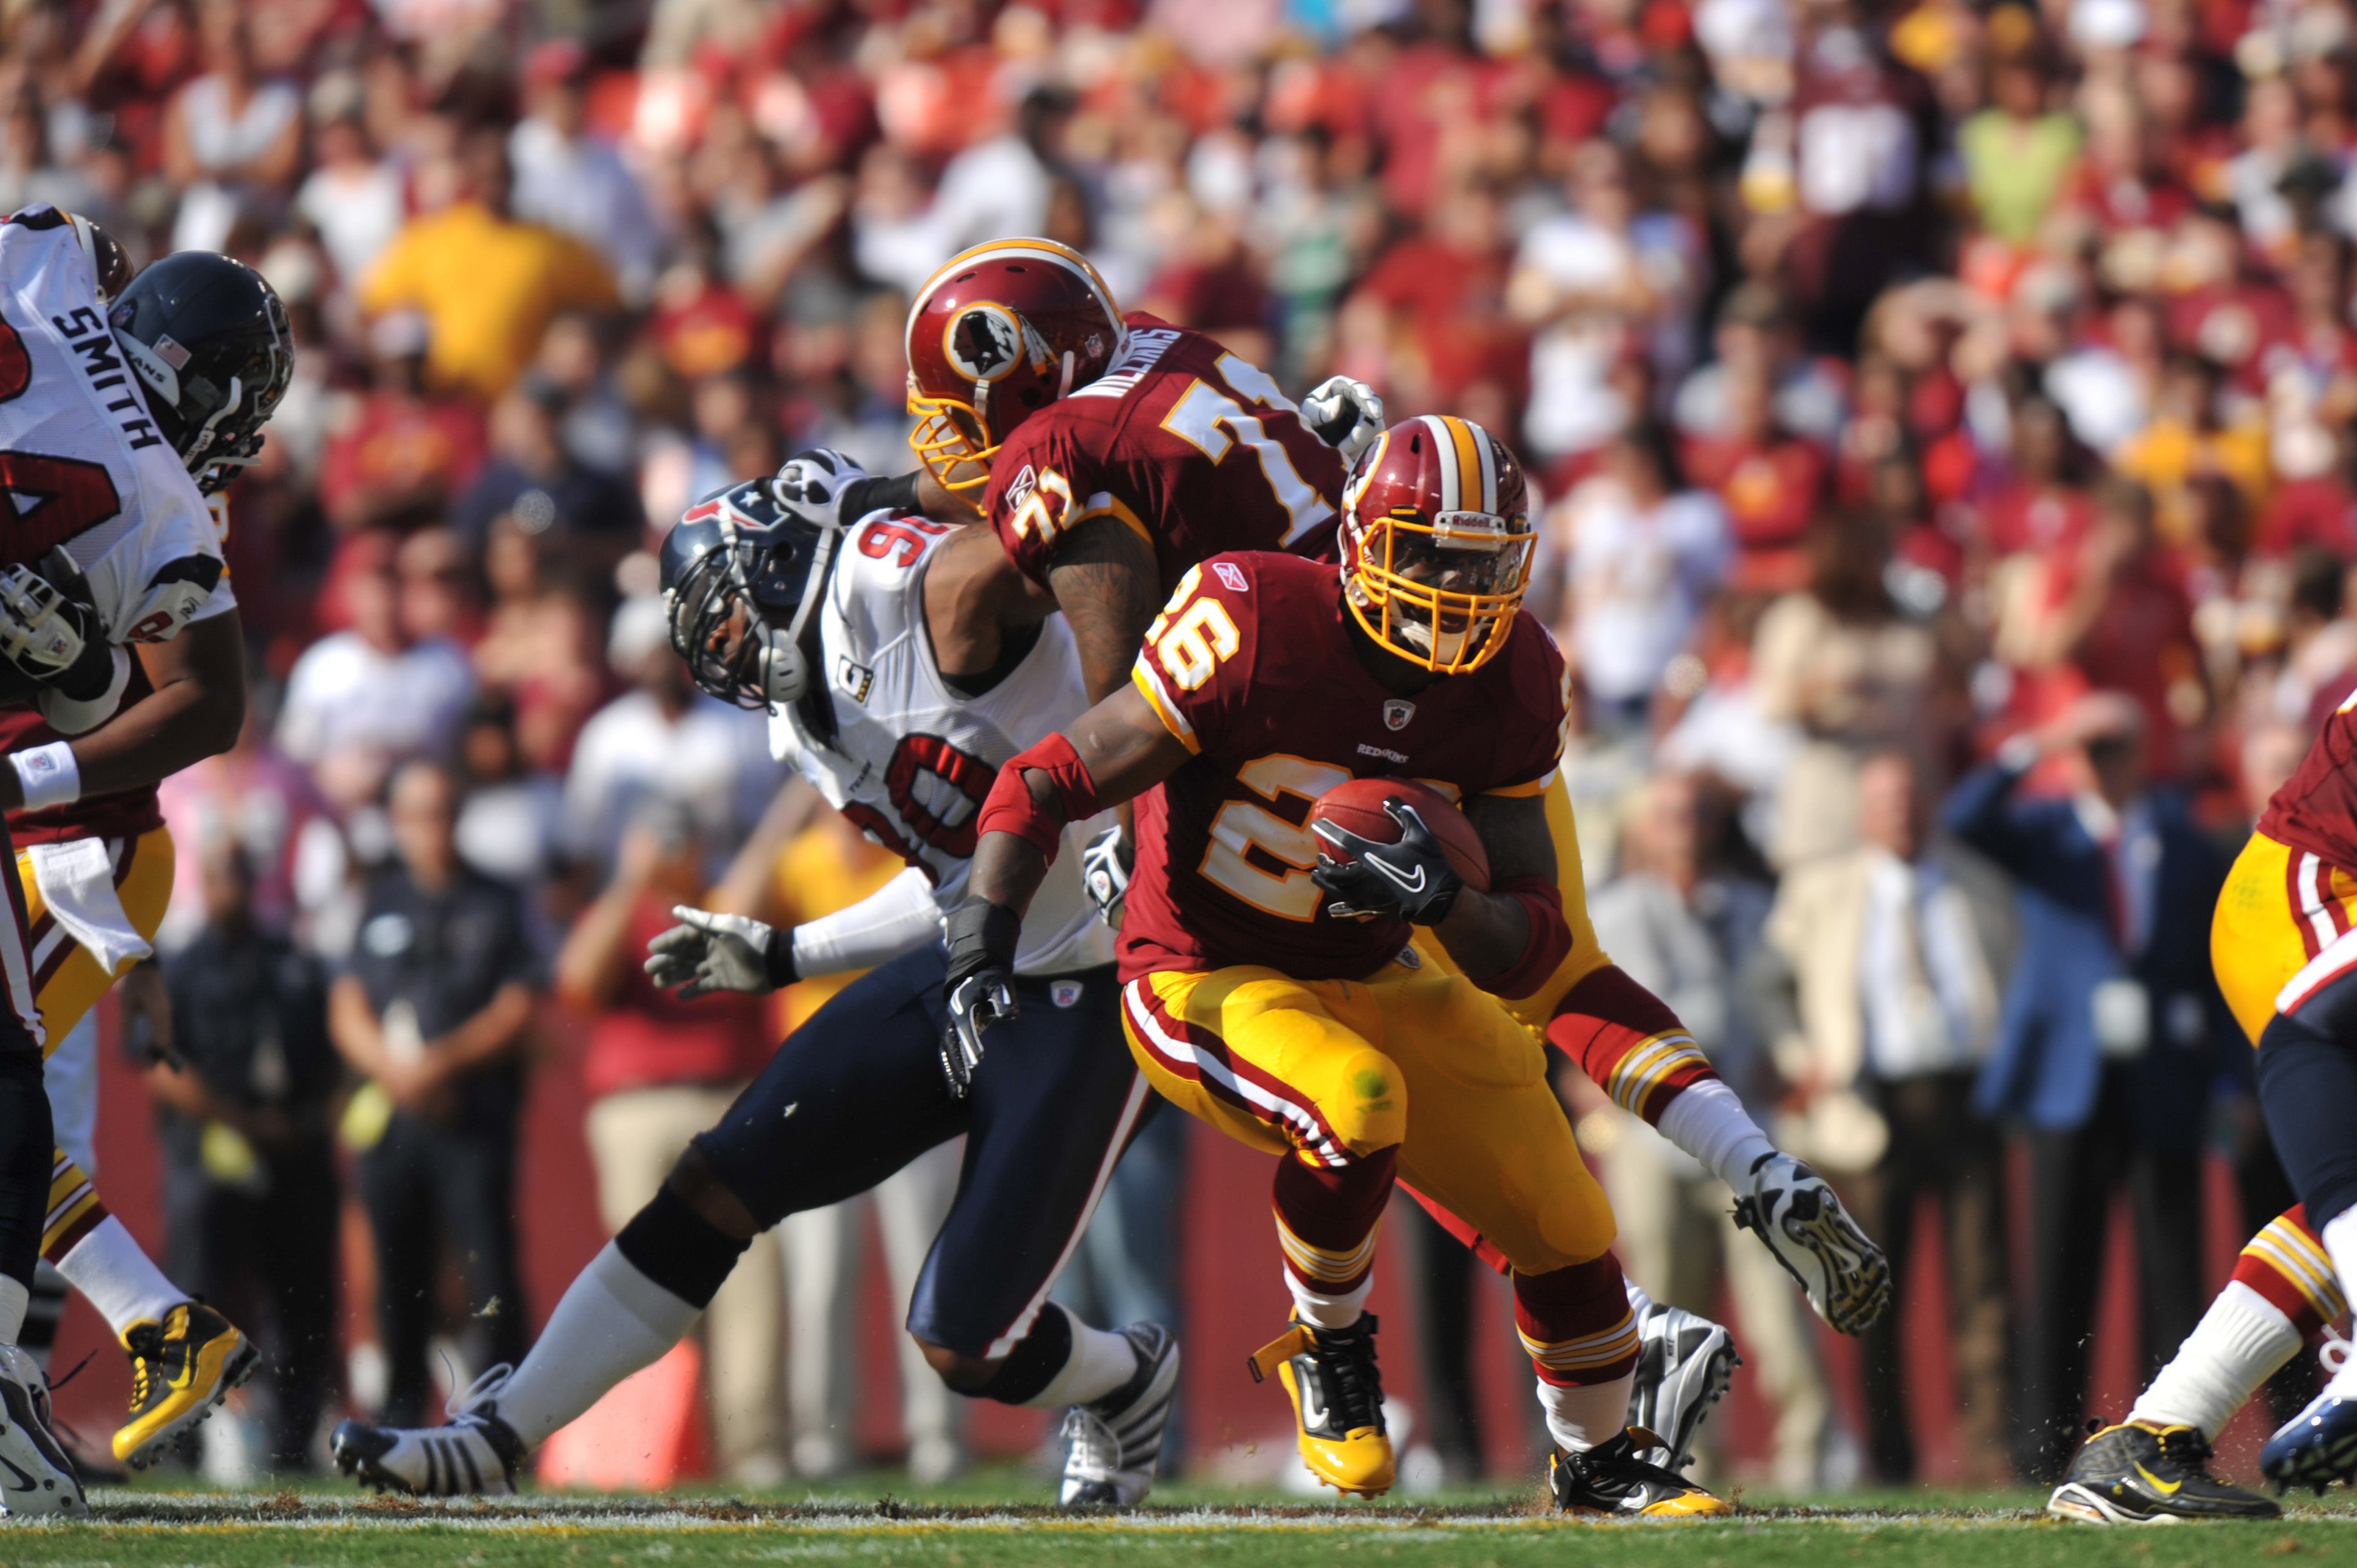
[2283,925]
[1297,1033]
[1193,448]
[1251,667]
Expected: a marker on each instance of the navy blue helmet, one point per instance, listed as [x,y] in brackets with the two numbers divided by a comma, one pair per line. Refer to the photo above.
[742,577]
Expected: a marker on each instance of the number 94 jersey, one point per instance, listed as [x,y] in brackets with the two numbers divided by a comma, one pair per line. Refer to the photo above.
[1193,448]
[81,462]
[911,761]
[1253,668]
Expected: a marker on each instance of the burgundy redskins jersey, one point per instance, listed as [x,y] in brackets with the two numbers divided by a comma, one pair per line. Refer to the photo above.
[1251,667]
[1181,440]
[2316,809]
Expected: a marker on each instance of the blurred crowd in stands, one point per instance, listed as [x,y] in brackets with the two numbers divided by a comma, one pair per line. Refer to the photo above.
[1945,416]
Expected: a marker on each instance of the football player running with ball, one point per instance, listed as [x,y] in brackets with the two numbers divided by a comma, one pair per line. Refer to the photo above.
[1111,453]
[123,402]
[1269,984]
[899,679]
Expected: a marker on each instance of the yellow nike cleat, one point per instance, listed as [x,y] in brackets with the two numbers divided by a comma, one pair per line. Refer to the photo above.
[1338,1401]
[1611,1479]
[180,1368]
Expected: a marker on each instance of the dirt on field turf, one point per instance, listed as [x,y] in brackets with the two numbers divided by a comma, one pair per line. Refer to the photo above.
[161,1530]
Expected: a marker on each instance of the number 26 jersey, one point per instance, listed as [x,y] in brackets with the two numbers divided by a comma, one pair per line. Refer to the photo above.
[911,761]
[1253,668]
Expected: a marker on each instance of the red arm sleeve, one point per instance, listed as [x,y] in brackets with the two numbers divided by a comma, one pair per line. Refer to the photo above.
[1010,808]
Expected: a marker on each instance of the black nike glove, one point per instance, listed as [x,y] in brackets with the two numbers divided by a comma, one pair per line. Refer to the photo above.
[1411,879]
[980,985]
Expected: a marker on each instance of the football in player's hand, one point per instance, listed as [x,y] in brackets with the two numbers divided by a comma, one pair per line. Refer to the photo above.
[1358,805]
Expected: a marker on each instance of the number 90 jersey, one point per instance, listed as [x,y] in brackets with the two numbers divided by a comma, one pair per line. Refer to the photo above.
[1181,440]
[1253,668]
[911,761]
[82,464]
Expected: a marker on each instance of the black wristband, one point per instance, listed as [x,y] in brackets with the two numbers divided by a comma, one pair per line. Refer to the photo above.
[980,935]
[777,963]
[863,496]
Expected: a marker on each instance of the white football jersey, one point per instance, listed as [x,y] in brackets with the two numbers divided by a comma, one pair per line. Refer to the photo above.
[911,761]
[81,463]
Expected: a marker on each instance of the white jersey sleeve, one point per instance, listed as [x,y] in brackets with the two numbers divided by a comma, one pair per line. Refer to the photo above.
[910,761]
[82,462]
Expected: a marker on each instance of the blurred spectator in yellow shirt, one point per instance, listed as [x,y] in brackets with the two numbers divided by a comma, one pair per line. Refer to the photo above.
[488,284]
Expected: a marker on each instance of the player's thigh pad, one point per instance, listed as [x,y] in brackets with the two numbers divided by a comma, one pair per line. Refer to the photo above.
[1277,1063]
[1586,955]
[1488,1141]
[2279,910]
[851,1096]
[68,980]
[1055,1102]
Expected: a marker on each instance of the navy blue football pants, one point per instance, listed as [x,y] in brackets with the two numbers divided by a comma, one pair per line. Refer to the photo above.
[858,1093]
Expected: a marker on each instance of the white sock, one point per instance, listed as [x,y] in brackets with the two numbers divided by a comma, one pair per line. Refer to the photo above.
[613,1321]
[1638,1299]
[115,1275]
[14,1299]
[2339,1236]
[1328,1311]
[1580,1418]
[1100,1363]
[1709,1122]
[2238,1345]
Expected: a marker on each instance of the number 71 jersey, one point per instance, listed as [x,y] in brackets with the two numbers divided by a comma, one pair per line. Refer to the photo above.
[81,463]
[1192,447]
[910,761]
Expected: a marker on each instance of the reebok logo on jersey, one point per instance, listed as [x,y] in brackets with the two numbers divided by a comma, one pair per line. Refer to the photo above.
[1018,489]
[1230,573]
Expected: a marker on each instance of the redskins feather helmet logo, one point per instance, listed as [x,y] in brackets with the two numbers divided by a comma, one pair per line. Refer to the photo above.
[983,343]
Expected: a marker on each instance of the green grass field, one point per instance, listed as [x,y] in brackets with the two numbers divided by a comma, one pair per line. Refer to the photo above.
[996,1518]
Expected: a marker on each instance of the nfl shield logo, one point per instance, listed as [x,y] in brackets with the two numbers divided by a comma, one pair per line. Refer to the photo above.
[1396,713]
[1064,993]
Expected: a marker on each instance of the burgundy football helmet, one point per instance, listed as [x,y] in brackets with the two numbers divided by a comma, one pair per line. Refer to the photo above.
[1436,540]
[999,331]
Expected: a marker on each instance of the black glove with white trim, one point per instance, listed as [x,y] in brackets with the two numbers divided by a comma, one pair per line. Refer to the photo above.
[980,985]
[1411,879]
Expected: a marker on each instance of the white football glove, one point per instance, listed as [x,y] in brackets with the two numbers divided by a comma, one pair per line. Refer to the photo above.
[1104,872]
[1804,1226]
[42,632]
[708,953]
[812,483]
[1345,414]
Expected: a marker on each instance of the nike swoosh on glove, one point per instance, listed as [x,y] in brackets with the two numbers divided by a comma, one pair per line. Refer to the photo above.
[1412,878]
[811,486]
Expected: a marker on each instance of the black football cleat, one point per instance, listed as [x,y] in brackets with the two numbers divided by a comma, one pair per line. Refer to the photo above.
[2136,1473]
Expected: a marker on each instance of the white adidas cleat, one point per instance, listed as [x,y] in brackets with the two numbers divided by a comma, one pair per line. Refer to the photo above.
[1116,1441]
[1685,1362]
[1805,1227]
[37,1480]
[477,1455]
